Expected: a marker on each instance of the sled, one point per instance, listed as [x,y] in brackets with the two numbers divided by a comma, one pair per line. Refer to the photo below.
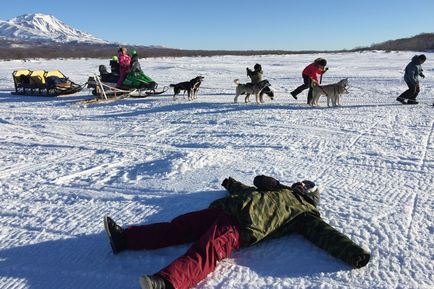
[108,92]
[21,81]
[43,83]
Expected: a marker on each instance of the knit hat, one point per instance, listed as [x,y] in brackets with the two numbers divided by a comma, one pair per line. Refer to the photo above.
[257,67]
[309,190]
[320,61]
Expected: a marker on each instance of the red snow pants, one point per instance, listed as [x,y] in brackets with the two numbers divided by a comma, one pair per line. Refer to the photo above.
[122,75]
[215,235]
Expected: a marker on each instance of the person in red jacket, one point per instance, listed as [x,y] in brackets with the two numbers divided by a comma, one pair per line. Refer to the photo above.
[124,65]
[310,77]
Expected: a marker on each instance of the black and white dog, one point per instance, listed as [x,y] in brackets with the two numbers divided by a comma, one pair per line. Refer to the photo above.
[191,87]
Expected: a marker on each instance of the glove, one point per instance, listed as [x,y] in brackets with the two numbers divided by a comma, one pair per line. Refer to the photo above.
[422,75]
[266,183]
[225,182]
[360,260]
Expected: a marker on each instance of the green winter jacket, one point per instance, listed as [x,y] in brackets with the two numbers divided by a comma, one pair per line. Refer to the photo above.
[271,214]
[261,213]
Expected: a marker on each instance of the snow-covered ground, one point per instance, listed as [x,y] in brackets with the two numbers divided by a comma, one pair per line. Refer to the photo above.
[63,167]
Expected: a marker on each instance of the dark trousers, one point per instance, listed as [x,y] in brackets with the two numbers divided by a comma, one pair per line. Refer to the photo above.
[214,233]
[412,91]
[307,84]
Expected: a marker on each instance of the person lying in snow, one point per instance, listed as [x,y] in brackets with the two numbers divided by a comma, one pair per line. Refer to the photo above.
[247,216]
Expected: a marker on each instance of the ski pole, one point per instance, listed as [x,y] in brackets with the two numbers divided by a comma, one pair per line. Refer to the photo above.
[320,77]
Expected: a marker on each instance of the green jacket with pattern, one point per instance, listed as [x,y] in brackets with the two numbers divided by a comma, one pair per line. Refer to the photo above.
[270,214]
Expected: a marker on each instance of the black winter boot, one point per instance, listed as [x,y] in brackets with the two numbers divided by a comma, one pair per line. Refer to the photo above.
[154,282]
[117,236]
[309,96]
[412,101]
[401,100]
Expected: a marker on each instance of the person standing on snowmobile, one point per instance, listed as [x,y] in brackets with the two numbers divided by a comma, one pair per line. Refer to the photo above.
[134,64]
[124,65]
[411,76]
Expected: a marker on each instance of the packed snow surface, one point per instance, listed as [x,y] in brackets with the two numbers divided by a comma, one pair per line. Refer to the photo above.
[64,166]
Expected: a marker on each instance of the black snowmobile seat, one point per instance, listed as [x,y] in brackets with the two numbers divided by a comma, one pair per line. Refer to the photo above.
[103,70]
[106,76]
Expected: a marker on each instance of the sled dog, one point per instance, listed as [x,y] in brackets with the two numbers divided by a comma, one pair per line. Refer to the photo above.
[191,87]
[250,88]
[332,91]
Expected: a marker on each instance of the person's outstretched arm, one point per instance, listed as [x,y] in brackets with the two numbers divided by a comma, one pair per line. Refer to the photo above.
[328,238]
[249,72]
[235,187]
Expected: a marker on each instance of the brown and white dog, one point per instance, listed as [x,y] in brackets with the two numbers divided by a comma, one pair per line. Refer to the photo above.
[191,87]
[250,88]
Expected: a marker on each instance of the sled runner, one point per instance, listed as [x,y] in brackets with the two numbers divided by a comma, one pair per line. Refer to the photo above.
[43,83]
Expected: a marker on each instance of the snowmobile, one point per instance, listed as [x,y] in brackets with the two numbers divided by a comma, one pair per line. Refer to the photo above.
[135,84]
[43,83]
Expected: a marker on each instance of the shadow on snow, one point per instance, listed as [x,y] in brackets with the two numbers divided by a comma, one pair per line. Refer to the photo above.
[86,261]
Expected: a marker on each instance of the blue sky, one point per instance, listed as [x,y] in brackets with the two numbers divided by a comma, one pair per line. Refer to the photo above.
[242,24]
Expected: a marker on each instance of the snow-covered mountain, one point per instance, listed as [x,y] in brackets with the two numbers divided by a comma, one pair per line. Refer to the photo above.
[36,27]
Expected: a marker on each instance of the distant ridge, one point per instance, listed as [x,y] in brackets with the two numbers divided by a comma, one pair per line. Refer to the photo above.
[37,27]
[421,42]
[44,36]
